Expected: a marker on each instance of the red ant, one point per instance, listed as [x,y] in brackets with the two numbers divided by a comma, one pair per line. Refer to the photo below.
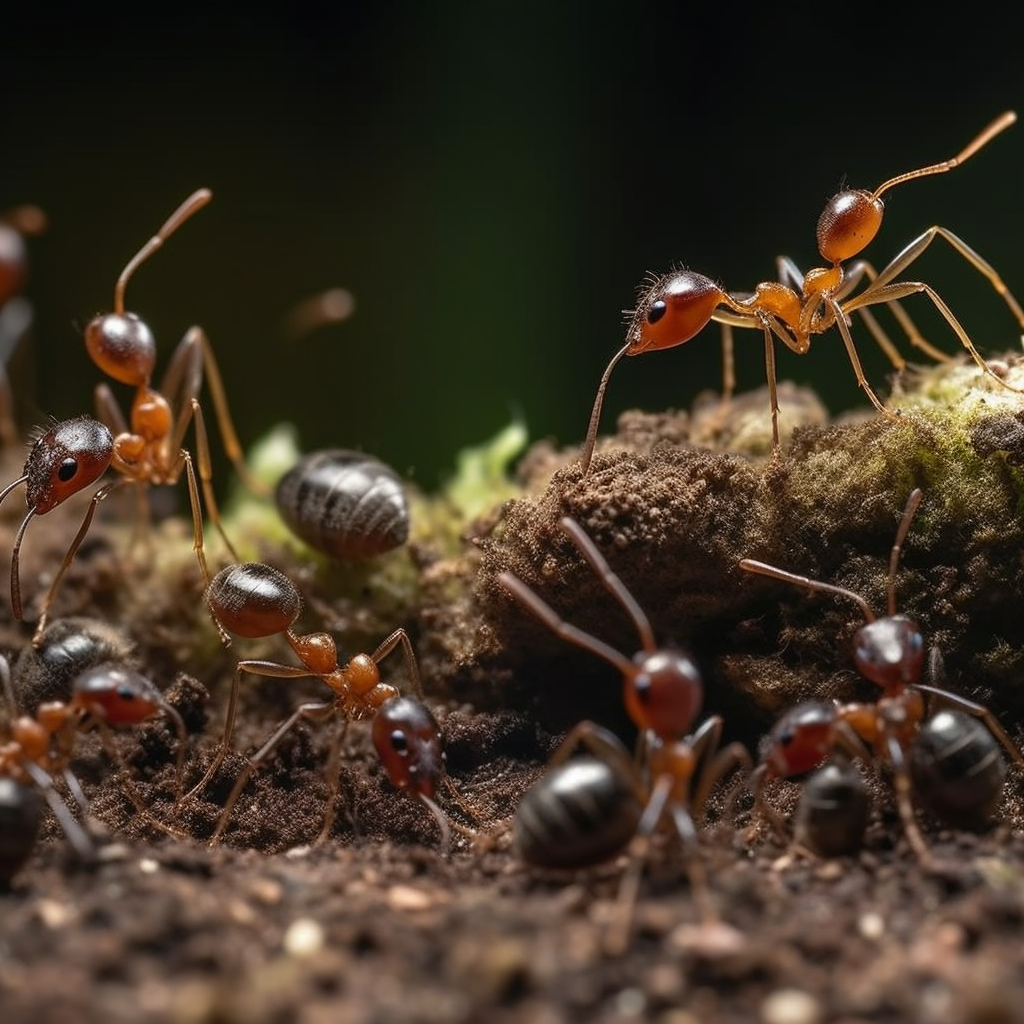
[39,747]
[676,307]
[888,651]
[663,692]
[146,450]
[255,600]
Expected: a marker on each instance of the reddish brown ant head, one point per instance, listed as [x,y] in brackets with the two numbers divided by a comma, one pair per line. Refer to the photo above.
[253,600]
[890,652]
[672,311]
[848,223]
[122,346]
[408,742]
[799,741]
[664,693]
[116,695]
[68,457]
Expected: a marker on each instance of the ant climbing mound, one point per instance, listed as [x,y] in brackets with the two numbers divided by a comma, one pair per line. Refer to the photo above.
[145,450]
[949,759]
[662,692]
[673,309]
[255,600]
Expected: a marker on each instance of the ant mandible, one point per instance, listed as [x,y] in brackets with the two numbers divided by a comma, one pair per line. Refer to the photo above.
[662,692]
[676,307]
[149,448]
[255,600]
[888,651]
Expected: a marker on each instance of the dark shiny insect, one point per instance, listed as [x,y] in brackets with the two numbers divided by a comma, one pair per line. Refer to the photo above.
[675,308]
[895,728]
[256,600]
[344,503]
[584,810]
[21,818]
[832,815]
[662,692]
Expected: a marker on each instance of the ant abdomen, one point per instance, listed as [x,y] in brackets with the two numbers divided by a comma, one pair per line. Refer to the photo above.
[344,503]
[21,817]
[848,223]
[957,769]
[122,346]
[253,600]
[408,741]
[580,813]
[832,815]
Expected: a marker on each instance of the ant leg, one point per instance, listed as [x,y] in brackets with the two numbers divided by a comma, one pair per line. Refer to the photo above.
[718,763]
[776,821]
[904,288]
[914,249]
[184,375]
[388,644]
[113,752]
[10,704]
[861,270]
[851,350]
[313,710]
[333,781]
[773,394]
[68,558]
[206,475]
[197,517]
[639,849]
[267,669]
[904,798]
[76,835]
[981,712]
[108,412]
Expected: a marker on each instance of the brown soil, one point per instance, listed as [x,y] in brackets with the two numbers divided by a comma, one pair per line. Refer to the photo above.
[377,925]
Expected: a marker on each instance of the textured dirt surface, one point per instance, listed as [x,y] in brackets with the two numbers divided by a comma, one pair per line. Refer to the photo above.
[377,924]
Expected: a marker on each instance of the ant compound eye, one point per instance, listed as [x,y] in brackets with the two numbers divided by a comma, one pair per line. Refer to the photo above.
[126,693]
[67,469]
[399,744]
[656,312]
[642,685]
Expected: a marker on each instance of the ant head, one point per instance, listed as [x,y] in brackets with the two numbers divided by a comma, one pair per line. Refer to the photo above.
[848,223]
[890,652]
[408,742]
[253,600]
[116,695]
[664,692]
[68,457]
[122,346]
[799,740]
[674,309]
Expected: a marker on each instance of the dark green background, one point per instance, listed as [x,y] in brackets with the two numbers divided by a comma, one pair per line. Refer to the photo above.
[491,181]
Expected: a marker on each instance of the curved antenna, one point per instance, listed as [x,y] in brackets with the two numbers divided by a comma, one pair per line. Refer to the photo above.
[1000,124]
[901,535]
[568,632]
[589,550]
[195,202]
[751,565]
[595,414]
[16,608]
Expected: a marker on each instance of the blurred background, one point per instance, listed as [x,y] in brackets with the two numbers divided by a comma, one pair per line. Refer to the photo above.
[491,182]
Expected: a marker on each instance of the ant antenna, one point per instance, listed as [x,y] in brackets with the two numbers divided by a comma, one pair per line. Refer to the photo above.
[1000,124]
[901,534]
[194,203]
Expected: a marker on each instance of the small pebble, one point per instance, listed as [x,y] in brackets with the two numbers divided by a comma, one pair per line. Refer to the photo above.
[790,1006]
[303,937]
